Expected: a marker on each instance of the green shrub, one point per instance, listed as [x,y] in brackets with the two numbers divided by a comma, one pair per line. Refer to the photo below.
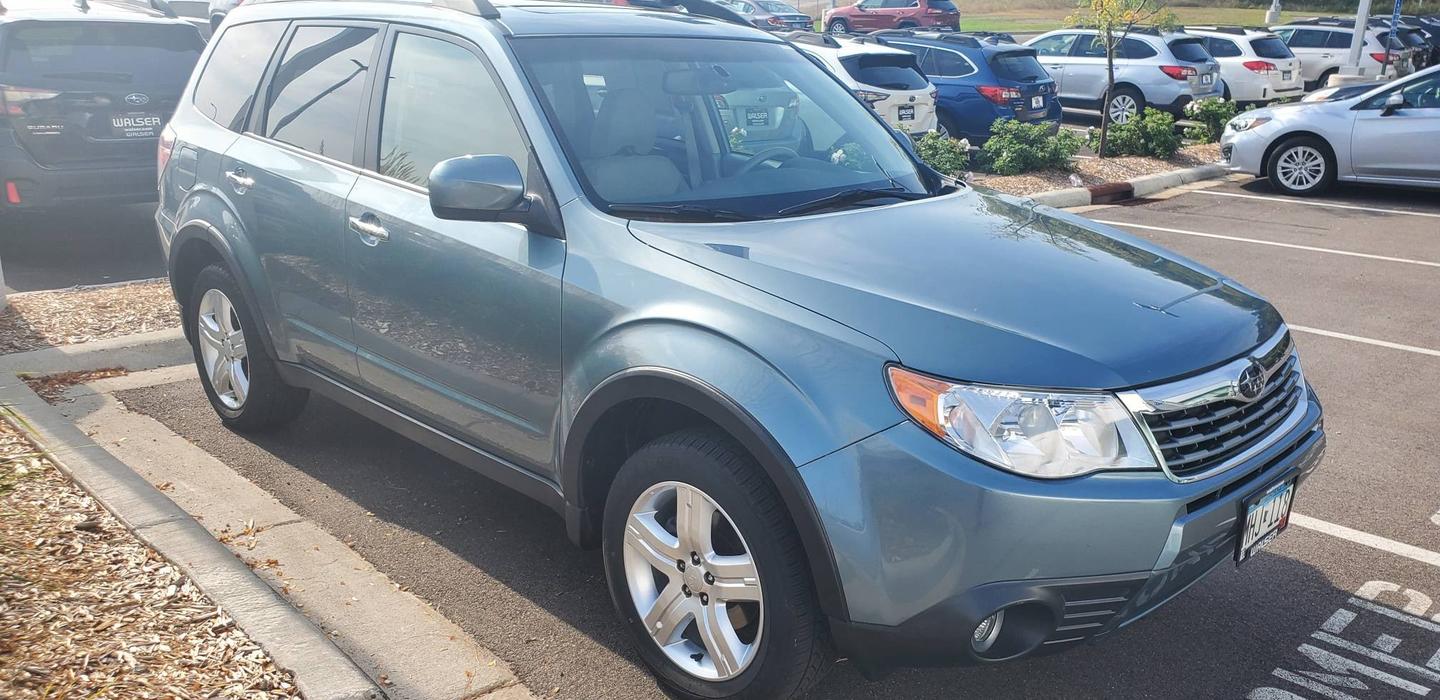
[1153,134]
[944,154]
[1017,147]
[1213,114]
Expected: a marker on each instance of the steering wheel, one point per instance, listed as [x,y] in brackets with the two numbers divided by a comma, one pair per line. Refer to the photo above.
[771,153]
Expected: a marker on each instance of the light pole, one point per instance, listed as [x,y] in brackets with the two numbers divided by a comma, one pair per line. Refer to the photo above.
[1357,42]
[1272,15]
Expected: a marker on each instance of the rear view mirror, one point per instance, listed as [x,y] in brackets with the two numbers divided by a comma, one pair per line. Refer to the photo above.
[476,188]
[1393,101]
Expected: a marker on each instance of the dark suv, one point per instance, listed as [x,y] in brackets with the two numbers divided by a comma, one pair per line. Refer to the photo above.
[808,399]
[84,92]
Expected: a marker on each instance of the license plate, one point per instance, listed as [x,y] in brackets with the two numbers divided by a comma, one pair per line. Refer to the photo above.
[1037,102]
[1285,75]
[135,125]
[1207,79]
[907,113]
[1266,515]
[757,117]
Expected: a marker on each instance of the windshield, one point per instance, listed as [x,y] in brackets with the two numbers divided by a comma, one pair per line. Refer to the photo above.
[751,128]
[1017,65]
[110,52]
[1190,50]
[1271,47]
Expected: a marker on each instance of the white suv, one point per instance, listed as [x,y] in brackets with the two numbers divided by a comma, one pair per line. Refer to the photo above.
[1324,48]
[1257,66]
[1152,69]
[887,79]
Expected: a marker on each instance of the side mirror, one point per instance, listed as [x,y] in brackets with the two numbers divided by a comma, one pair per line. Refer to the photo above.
[1393,101]
[477,188]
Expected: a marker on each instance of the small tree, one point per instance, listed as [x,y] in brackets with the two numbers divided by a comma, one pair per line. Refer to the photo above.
[1115,19]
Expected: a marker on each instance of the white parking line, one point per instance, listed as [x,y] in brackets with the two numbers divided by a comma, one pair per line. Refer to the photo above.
[1409,551]
[1313,249]
[1313,203]
[1368,341]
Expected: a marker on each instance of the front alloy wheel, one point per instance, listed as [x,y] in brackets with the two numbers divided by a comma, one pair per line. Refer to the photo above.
[223,354]
[1300,168]
[693,581]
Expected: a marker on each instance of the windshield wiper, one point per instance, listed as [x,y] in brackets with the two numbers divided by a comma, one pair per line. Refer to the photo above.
[853,196]
[685,211]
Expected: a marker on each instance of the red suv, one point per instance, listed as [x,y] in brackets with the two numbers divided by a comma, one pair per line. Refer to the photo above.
[869,15]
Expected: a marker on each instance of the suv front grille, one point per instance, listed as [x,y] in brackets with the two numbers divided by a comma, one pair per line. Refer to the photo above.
[1200,438]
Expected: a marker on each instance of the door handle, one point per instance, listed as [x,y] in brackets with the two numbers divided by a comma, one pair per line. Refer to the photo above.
[370,230]
[239,181]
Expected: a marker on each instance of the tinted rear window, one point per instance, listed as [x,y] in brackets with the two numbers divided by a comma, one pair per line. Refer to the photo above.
[1270,47]
[945,5]
[1191,50]
[1017,65]
[892,72]
[227,83]
[104,52]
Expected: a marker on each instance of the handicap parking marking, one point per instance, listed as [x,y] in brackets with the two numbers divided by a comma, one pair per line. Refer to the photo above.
[1239,239]
[1336,660]
[1321,203]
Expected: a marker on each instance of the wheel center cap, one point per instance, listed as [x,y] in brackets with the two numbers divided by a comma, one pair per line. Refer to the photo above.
[694,577]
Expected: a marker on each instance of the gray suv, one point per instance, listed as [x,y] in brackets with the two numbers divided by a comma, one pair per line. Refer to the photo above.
[808,400]
[1164,70]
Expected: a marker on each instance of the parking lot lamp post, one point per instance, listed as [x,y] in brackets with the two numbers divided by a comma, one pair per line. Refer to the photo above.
[1272,15]
[1357,41]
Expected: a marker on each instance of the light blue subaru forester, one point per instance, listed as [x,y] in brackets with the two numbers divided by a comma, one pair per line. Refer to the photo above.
[809,399]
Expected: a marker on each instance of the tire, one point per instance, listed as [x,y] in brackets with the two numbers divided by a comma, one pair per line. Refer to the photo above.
[907,25]
[946,127]
[1130,103]
[1301,166]
[1324,79]
[253,397]
[789,644]
[838,26]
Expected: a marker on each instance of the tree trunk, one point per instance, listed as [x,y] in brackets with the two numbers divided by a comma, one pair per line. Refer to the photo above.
[1109,88]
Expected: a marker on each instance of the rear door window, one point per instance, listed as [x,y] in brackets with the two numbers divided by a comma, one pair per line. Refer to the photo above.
[1308,39]
[1058,45]
[1089,46]
[944,5]
[1337,40]
[950,64]
[1270,47]
[1189,50]
[119,53]
[442,102]
[1131,48]
[317,91]
[1222,48]
[228,82]
[888,71]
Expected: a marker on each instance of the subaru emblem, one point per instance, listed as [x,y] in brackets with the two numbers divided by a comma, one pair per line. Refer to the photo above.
[137,99]
[1250,382]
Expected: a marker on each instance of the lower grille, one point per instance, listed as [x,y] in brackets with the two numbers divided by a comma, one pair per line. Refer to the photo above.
[1200,438]
[1089,608]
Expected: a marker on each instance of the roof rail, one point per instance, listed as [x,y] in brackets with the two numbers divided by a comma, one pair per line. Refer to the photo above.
[1145,29]
[895,32]
[812,38]
[1224,29]
[868,39]
[478,8]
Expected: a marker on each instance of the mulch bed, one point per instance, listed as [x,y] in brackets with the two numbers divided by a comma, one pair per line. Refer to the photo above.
[37,320]
[1095,171]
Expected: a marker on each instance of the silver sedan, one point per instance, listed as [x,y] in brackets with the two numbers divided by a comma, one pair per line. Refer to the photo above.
[1386,135]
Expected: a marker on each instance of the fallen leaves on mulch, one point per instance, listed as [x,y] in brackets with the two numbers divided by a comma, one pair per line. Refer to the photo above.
[51,387]
[1095,171]
[43,319]
[87,610]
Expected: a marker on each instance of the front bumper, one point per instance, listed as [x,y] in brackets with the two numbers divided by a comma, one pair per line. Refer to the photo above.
[929,542]
[1244,151]
[52,188]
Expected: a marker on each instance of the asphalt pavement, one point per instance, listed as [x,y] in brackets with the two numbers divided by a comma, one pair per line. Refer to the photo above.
[1357,274]
[84,246]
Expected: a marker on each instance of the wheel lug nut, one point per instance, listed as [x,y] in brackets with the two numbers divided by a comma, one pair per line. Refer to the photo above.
[686,591]
[695,558]
[680,564]
[709,578]
[704,599]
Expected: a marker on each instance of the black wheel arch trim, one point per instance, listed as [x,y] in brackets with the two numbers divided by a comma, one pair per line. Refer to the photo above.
[670,385]
[199,229]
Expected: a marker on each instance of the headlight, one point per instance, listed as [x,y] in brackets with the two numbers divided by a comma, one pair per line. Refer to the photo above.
[1244,123]
[1045,434]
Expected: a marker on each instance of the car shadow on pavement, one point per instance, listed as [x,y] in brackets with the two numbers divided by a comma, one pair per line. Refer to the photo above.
[501,567]
[99,245]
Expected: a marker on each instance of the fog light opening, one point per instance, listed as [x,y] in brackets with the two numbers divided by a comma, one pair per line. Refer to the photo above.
[987,632]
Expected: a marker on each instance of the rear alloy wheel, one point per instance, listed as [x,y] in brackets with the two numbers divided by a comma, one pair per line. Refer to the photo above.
[241,381]
[1301,166]
[1124,105]
[708,572]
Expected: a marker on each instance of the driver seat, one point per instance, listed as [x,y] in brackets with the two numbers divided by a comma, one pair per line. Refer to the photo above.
[622,165]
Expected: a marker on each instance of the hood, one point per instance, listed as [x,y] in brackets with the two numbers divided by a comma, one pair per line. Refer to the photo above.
[984,287]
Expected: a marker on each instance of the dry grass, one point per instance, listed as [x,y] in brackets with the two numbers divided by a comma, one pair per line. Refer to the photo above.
[46,319]
[87,610]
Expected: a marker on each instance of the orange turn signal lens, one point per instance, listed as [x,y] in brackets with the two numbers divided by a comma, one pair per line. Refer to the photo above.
[919,396]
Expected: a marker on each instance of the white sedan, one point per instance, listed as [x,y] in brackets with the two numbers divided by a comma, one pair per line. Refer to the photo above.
[1387,135]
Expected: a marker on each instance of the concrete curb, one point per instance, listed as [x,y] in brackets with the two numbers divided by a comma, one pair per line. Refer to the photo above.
[1143,186]
[134,352]
[321,670]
